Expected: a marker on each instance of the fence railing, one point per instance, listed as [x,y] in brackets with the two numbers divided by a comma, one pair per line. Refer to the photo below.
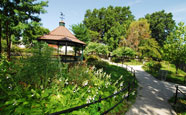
[176,94]
[129,88]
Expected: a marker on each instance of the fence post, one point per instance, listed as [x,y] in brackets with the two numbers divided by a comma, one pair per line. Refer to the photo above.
[128,92]
[176,95]
[131,69]
[98,103]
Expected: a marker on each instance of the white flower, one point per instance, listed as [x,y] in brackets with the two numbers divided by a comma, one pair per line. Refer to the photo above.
[121,84]
[89,91]
[85,83]
[115,91]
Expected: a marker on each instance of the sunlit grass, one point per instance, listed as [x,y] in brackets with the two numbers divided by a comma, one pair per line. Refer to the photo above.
[133,62]
[171,75]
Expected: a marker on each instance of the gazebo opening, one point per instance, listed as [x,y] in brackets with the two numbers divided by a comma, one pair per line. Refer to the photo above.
[62,37]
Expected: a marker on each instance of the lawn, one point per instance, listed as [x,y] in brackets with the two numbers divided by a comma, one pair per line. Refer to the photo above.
[171,73]
[133,62]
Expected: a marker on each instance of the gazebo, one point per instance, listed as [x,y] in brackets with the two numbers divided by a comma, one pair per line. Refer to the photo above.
[61,36]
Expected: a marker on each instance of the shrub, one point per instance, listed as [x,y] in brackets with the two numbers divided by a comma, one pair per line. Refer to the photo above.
[94,60]
[153,66]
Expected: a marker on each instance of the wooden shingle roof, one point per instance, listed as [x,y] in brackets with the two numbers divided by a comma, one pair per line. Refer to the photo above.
[61,35]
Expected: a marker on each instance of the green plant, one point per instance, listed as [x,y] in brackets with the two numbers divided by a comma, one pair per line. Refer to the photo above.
[153,66]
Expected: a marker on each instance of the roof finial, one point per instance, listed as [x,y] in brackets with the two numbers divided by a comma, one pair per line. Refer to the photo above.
[62,16]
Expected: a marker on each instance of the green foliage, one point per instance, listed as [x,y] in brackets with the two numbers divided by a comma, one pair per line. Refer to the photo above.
[35,69]
[96,48]
[153,66]
[171,76]
[81,32]
[180,105]
[175,47]
[124,52]
[39,85]
[94,60]
[149,48]
[31,32]
[161,25]
[16,13]
[108,25]
[138,31]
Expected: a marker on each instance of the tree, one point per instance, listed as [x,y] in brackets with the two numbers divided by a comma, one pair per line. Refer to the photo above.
[161,24]
[31,32]
[15,12]
[124,52]
[175,47]
[96,48]
[149,48]
[108,24]
[138,30]
[81,32]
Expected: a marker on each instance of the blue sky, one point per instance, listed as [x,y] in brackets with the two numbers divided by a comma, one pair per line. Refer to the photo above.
[74,10]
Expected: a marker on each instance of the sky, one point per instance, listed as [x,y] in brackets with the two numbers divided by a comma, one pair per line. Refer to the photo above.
[74,10]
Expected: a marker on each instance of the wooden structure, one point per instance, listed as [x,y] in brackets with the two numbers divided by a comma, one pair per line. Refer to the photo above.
[61,36]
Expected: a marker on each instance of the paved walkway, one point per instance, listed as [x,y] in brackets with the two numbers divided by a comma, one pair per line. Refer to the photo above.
[153,95]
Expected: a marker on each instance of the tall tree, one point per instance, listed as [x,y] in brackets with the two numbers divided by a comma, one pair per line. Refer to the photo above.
[81,32]
[105,20]
[31,32]
[175,47]
[138,30]
[18,11]
[161,24]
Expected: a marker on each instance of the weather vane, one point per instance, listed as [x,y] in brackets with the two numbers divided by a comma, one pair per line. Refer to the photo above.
[62,16]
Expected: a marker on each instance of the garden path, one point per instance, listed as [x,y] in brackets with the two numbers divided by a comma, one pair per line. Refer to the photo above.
[153,94]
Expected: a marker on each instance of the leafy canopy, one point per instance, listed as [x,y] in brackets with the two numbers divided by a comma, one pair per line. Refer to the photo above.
[96,48]
[175,45]
[161,24]
[124,51]
[138,30]
[109,24]
[81,32]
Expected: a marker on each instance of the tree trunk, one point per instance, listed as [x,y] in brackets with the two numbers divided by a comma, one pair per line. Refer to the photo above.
[177,68]
[8,41]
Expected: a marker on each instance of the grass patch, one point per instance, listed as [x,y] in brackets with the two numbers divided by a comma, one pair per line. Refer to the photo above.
[133,62]
[171,75]
[180,107]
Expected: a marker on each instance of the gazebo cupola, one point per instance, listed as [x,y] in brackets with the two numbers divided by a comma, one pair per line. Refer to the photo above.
[62,23]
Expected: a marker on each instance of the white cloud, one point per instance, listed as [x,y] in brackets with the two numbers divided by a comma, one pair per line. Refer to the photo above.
[134,2]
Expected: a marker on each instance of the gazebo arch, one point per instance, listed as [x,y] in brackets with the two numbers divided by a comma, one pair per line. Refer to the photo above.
[61,36]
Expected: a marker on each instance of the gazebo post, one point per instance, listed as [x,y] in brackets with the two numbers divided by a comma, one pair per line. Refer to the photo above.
[59,58]
[66,52]
[82,54]
[75,54]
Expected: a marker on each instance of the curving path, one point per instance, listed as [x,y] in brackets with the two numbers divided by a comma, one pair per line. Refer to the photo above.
[153,95]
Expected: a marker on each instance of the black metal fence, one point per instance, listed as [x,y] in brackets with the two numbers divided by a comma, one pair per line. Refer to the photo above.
[129,88]
[176,94]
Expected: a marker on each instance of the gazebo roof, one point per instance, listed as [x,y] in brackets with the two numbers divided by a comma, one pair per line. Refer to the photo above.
[60,36]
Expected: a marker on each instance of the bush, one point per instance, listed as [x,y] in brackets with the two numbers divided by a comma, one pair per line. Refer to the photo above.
[153,66]
[94,60]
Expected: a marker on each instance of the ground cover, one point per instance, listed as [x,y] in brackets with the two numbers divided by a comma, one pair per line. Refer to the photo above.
[39,85]
[180,106]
